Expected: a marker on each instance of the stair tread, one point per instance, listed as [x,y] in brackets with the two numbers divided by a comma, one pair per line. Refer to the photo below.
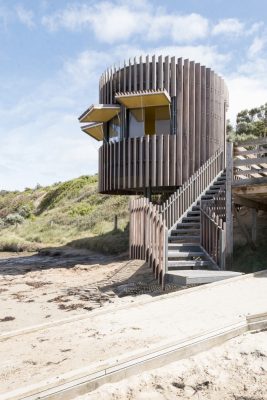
[188,253]
[181,245]
[190,237]
[186,224]
[189,263]
[197,218]
[184,230]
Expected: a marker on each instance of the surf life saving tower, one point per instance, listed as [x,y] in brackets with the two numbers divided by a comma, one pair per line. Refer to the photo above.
[162,124]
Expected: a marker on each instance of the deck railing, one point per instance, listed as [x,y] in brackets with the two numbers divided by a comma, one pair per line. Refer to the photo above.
[179,202]
[212,227]
[250,161]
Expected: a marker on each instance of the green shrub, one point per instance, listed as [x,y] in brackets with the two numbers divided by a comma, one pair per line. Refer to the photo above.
[25,211]
[17,246]
[65,190]
[14,219]
[81,209]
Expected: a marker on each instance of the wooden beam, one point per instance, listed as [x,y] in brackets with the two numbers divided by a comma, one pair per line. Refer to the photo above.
[250,182]
[249,161]
[252,142]
[244,201]
[251,171]
[238,152]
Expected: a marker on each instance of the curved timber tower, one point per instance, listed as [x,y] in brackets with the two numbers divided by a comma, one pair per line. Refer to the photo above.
[159,119]
[162,126]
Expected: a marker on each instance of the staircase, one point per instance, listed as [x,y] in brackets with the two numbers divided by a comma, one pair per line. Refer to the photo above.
[183,240]
[184,249]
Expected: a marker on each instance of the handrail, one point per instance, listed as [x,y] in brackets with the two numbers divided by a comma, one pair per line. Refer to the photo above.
[212,227]
[149,223]
[179,202]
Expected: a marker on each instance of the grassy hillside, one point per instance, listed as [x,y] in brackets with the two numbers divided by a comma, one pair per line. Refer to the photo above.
[65,212]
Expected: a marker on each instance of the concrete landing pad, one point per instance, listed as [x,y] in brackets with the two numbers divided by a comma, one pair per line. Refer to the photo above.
[198,276]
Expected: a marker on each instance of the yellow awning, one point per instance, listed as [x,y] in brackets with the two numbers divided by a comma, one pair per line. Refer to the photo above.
[100,113]
[144,98]
[94,130]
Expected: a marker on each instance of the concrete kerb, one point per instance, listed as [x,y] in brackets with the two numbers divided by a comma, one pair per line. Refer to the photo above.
[68,386]
[112,308]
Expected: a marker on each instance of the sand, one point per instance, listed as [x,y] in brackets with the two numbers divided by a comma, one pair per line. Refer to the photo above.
[235,370]
[36,289]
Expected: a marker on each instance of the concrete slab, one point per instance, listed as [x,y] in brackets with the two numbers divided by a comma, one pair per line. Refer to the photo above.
[198,276]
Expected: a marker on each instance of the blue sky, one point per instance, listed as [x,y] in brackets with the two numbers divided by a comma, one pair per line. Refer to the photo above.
[53,51]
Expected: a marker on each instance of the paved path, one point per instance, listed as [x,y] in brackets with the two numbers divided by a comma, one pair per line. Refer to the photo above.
[107,337]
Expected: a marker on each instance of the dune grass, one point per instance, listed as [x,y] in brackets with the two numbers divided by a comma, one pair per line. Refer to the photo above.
[71,211]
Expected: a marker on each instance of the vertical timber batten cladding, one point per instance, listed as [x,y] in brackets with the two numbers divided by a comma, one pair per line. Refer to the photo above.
[171,120]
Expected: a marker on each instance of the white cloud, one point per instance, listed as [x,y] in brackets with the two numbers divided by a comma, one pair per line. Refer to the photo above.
[255,68]
[206,55]
[229,26]
[254,28]
[108,22]
[245,92]
[26,17]
[117,22]
[48,145]
[87,66]
[179,27]
[256,46]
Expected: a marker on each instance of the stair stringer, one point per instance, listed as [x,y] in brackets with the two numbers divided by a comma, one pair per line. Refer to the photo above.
[213,263]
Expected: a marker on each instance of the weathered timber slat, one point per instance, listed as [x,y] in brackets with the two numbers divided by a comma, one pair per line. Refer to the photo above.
[250,161]
[250,182]
[253,142]
[197,116]
[248,152]
[192,118]
[185,160]
[197,113]
[251,171]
